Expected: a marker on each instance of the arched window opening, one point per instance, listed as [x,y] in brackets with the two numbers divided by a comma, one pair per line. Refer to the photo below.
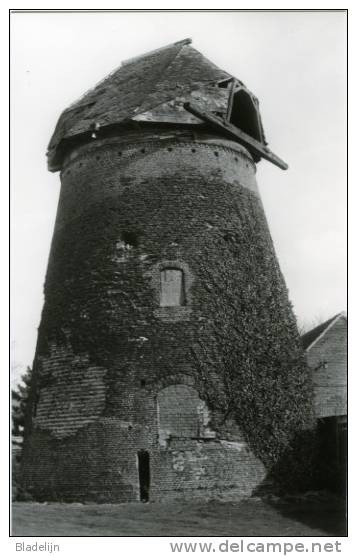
[182,414]
[245,116]
[178,411]
[172,288]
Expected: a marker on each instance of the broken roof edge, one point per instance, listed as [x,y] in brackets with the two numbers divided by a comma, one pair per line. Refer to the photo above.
[325,327]
[81,100]
[87,97]
[80,118]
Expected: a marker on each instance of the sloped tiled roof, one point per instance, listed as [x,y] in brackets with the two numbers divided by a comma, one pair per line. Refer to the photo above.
[310,337]
[137,86]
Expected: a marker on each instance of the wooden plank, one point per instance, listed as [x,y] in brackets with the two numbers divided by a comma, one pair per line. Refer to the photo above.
[230,100]
[238,135]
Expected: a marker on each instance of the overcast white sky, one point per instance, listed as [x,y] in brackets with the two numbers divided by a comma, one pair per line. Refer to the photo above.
[295,63]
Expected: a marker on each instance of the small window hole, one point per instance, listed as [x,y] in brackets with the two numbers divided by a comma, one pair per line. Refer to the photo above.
[130,238]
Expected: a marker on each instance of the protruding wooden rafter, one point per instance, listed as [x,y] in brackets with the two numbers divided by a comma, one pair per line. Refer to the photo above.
[237,134]
[230,99]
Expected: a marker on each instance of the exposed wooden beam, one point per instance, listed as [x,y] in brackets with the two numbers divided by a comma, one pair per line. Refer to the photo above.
[238,135]
[230,100]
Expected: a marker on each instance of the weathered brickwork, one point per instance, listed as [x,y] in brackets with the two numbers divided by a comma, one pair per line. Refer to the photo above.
[113,373]
[72,391]
[140,390]
[105,353]
[100,463]
[327,359]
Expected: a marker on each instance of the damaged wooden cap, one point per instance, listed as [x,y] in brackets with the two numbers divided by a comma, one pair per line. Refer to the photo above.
[173,84]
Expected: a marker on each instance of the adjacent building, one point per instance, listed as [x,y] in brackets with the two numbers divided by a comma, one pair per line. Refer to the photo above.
[326,352]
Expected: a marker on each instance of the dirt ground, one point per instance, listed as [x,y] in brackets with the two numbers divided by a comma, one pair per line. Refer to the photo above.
[308,516]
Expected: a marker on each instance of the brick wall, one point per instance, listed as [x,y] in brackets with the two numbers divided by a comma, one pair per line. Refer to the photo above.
[106,349]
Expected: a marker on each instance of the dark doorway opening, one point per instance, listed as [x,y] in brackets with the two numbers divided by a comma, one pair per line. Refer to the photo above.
[144,474]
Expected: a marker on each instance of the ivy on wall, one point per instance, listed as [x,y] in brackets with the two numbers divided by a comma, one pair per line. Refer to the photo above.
[240,343]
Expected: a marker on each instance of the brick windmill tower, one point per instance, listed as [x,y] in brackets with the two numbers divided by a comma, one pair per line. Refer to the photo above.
[166,331]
